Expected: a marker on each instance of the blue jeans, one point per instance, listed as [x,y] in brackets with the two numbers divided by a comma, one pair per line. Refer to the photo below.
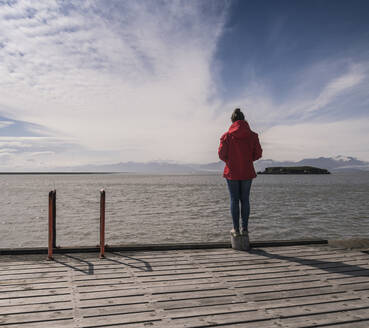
[239,190]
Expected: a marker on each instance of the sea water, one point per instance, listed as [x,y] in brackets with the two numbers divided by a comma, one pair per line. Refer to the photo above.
[154,209]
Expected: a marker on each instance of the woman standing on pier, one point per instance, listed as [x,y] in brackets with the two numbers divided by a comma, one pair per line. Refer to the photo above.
[239,148]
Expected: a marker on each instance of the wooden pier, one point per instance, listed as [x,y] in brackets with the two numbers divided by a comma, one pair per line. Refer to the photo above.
[294,286]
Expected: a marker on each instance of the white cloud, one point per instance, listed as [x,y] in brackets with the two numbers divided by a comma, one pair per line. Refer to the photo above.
[7,150]
[20,140]
[41,153]
[44,153]
[132,75]
[319,87]
[13,143]
[336,87]
[5,124]
[284,142]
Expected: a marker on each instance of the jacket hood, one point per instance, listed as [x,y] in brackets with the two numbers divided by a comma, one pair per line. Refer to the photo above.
[240,129]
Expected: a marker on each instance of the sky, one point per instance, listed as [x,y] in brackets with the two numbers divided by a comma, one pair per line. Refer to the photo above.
[99,82]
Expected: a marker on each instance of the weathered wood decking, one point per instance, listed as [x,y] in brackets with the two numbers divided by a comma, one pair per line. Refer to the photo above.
[297,286]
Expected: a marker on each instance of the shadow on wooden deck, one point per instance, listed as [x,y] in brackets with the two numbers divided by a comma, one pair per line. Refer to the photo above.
[147,265]
[89,271]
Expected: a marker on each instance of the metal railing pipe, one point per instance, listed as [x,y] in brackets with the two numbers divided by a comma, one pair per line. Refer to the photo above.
[54,218]
[102,223]
[51,227]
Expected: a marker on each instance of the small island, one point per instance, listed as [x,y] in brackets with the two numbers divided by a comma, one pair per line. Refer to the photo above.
[294,170]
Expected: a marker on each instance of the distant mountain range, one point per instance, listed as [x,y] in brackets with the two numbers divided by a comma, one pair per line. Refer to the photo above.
[333,164]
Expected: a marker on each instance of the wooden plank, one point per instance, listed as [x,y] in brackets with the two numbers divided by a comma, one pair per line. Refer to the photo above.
[362,293]
[26,271]
[352,324]
[164,289]
[326,318]
[19,260]
[31,268]
[104,282]
[32,276]
[274,282]
[339,279]
[354,286]
[30,294]
[60,323]
[312,309]
[118,262]
[32,286]
[120,309]
[143,269]
[116,318]
[288,262]
[33,308]
[104,288]
[312,265]
[265,276]
[123,300]
[35,300]
[183,276]
[343,269]
[229,317]
[191,286]
[202,281]
[192,295]
[254,272]
[199,302]
[140,324]
[306,300]
[272,254]
[285,287]
[285,294]
[174,272]
[111,294]
[112,275]
[152,262]
[233,324]
[32,280]
[255,254]
[22,318]
[209,310]
[242,263]
[251,266]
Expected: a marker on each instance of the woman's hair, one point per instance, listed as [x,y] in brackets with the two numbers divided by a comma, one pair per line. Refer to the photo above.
[237,115]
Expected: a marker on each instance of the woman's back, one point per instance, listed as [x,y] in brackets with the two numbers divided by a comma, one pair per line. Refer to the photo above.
[239,147]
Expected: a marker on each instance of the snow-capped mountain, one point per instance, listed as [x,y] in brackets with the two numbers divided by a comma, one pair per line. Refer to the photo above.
[333,164]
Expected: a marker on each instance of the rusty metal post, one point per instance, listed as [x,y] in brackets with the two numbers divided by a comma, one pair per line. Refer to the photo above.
[54,218]
[51,221]
[102,223]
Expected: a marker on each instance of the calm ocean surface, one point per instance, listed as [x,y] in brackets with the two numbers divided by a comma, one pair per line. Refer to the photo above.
[180,208]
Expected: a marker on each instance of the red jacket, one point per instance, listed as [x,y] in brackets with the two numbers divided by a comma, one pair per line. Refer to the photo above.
[239,148]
